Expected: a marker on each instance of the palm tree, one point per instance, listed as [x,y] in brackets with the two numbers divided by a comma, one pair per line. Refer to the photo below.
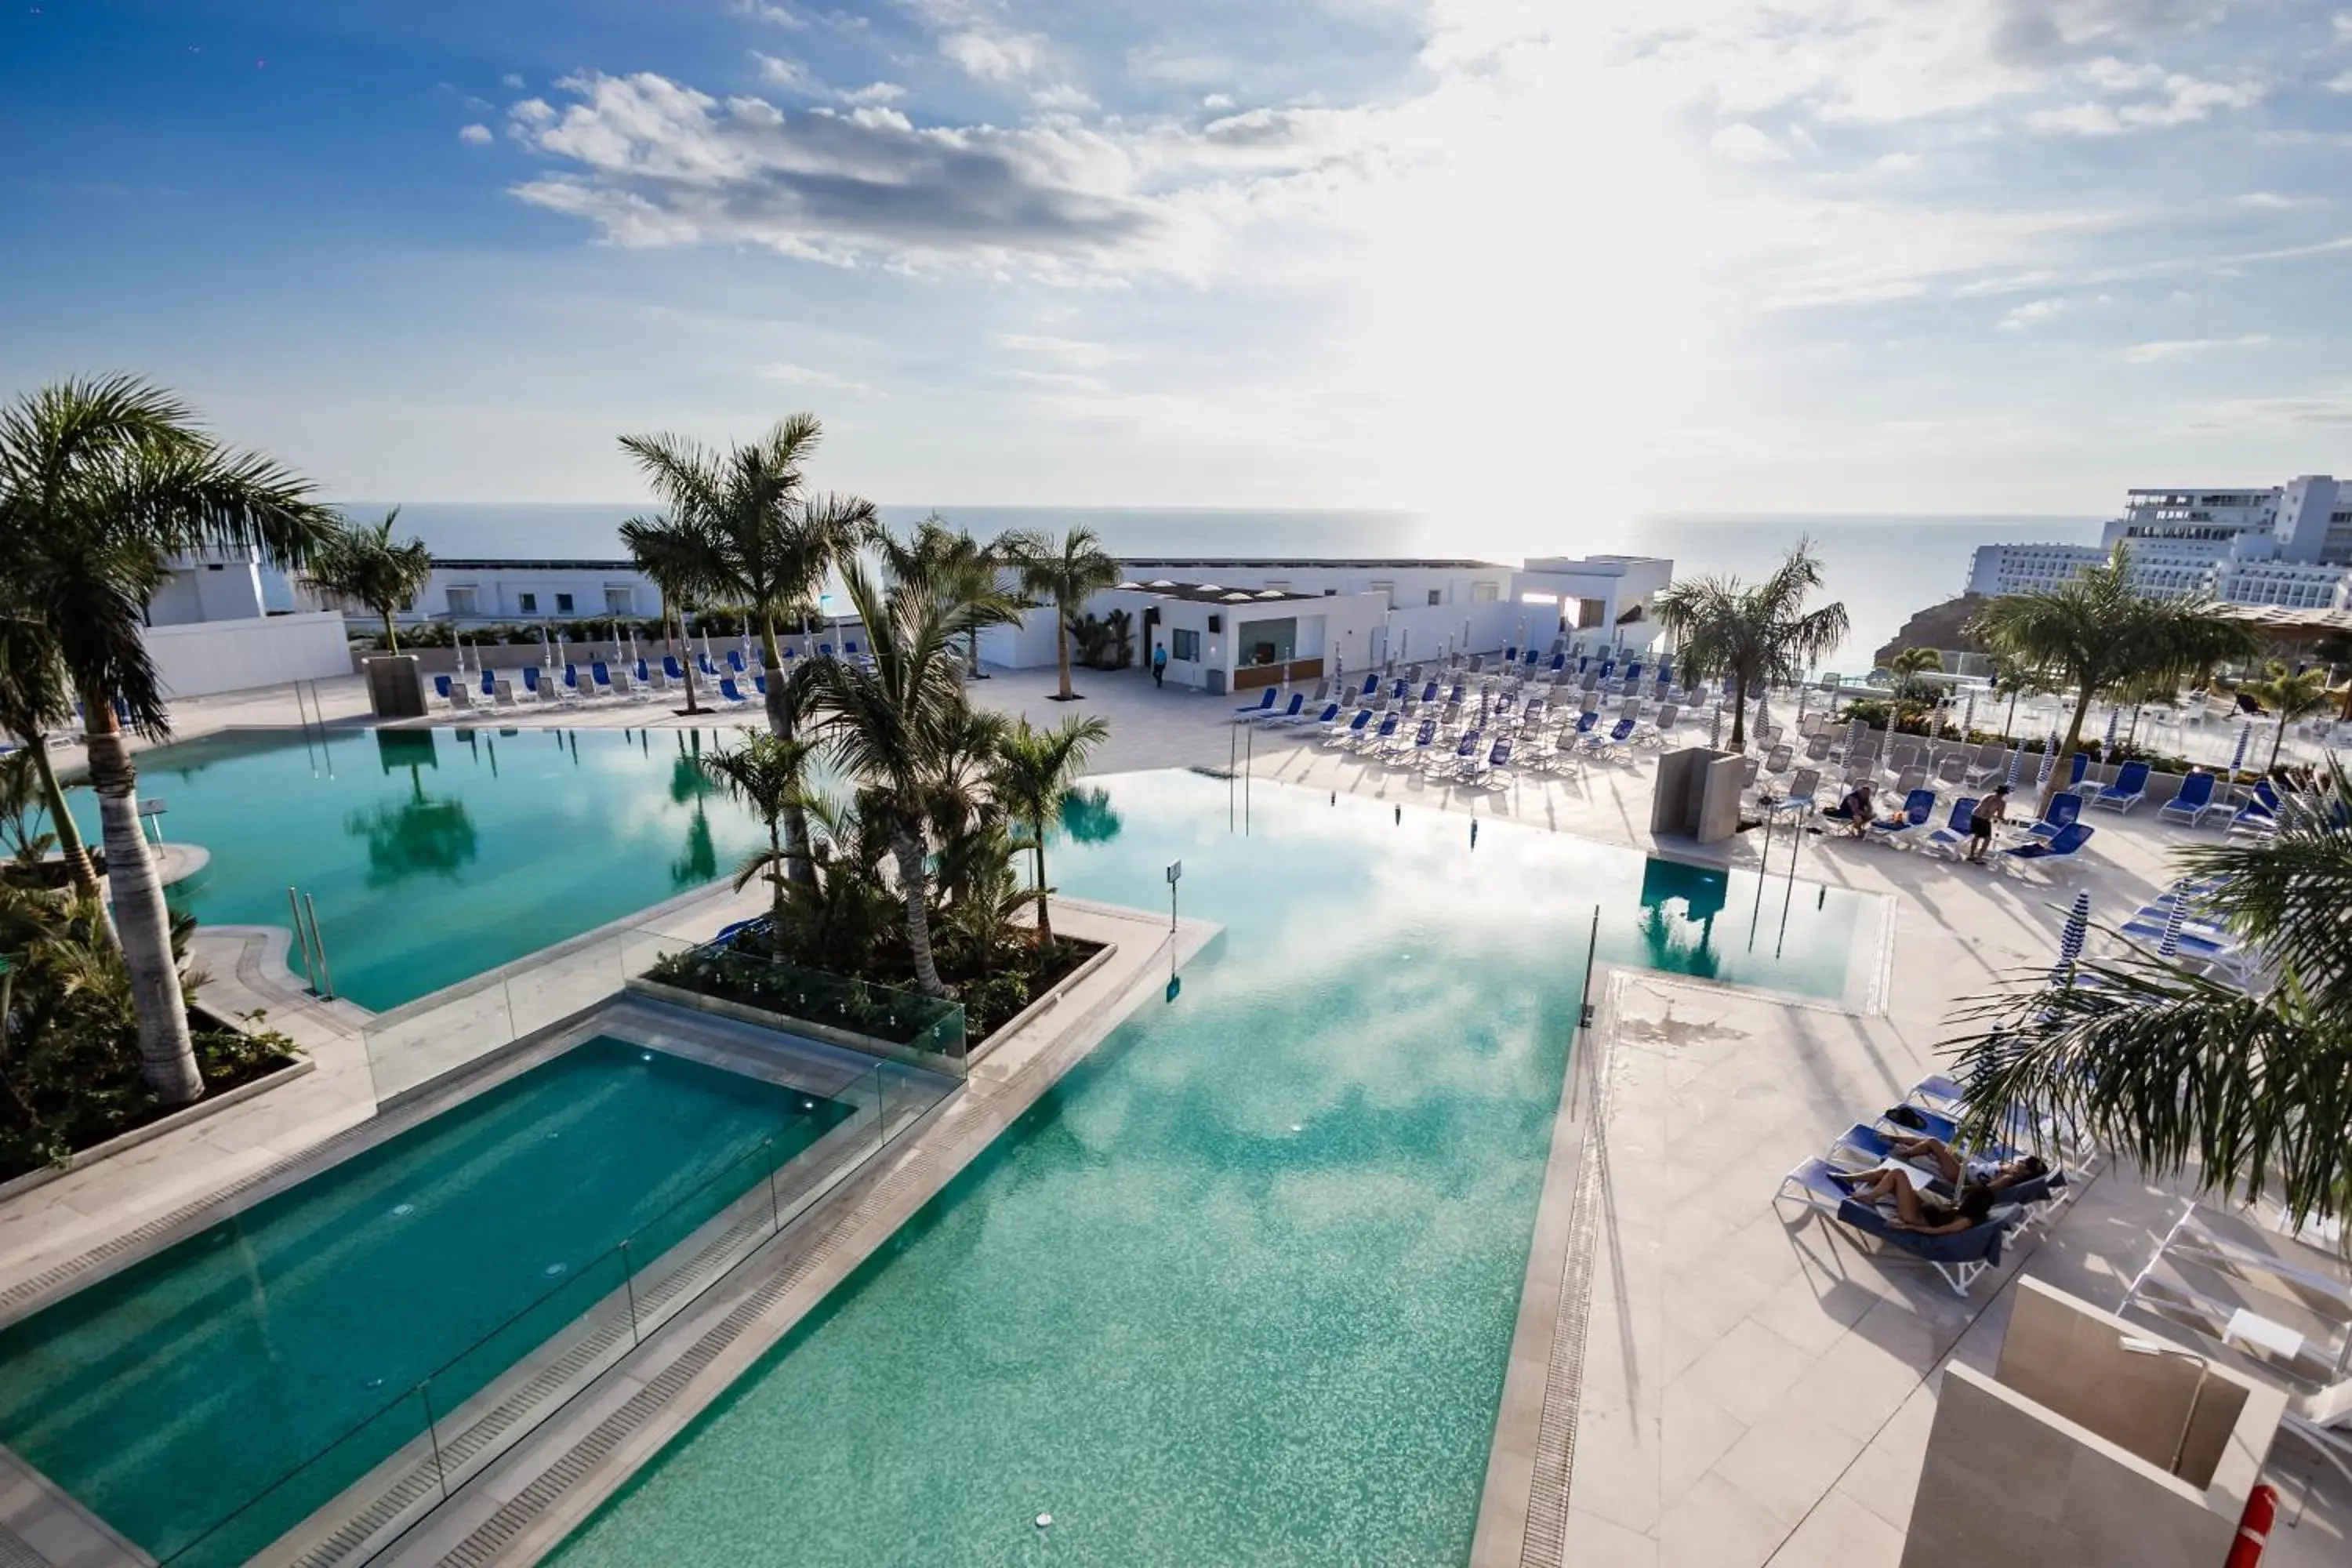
[676,555]
[773,543]
[890,725]
[2096,632]
[2183,1071]
[34,700]
[1751,636]
[1067,572]
[1911,693]
[101,483]
[2287,696]
[966,574]
[768,773]
[367,566]
[1033,772]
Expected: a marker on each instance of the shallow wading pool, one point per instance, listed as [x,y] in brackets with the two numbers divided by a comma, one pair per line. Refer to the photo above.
[166,1396]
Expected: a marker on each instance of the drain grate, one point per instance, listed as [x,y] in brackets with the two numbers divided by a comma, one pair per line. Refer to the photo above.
[1545,1544]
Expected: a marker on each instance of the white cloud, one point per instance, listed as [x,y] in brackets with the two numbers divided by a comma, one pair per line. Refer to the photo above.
[790,75]
[771,11]
[2278,201]
[1217,100]
[1744,143]
[791,375]
[2340,82]
[2032,313]
[475,135]
[2185,99]
[1060,98]
[874,92]
[2186,347]
[2343,22]
[1897,163]
[1076,352]
[990,56]
[512,80]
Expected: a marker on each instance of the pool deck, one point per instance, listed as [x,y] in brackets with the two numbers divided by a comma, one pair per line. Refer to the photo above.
[1741,1387]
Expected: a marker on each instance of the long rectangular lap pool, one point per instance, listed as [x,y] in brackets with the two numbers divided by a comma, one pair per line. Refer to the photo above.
[166,1395]
[1241,1288]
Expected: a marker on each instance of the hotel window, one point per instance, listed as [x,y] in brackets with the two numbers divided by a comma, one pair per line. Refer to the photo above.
[1184,644]
[527,603]
[1435,598]
[461,601]
[1387,591]
[562,604]
[1484,593]
[619,602]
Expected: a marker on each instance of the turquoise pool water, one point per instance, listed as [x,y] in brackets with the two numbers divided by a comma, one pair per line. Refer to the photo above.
[167,1394]
[433,855]
[1241,1288]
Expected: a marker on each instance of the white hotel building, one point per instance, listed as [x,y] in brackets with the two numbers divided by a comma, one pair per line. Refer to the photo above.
[2289,545]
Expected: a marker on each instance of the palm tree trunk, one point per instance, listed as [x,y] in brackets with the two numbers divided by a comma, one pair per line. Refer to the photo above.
[1739,713]
[391,634]
[2057,784]
[1062,648]
[783,723]
[686,662]
[61,822]
[2278,740]
[1045,916]
[776,882]
[167,1059]
[908,851]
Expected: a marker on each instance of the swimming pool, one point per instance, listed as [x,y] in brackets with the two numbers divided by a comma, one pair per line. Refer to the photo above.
[433,855]
[1240,1289]
[166,1395]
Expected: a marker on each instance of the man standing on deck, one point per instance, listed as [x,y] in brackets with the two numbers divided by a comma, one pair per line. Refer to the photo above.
[1158,664]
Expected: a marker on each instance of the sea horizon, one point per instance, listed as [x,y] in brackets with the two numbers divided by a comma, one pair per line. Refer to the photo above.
[1883,566]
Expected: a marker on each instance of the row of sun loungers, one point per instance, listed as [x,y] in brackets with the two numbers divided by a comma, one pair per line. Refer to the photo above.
[1960,1258]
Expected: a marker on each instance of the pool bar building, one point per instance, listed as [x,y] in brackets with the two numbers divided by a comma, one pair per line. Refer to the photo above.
[1215,1256]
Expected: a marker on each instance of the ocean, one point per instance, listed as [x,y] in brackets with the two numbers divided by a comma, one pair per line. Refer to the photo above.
[1882,568]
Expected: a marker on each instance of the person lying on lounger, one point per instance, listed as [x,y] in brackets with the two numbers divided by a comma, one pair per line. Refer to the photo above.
[1936,1153]
[1854,810]
[1926,1214]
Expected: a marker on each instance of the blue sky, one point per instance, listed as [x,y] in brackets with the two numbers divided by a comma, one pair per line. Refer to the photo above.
[1446,255]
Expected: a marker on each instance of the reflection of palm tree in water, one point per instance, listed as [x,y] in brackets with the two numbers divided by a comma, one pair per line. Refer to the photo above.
[1089,818]
[690,785]
[417,834]
[1666,943]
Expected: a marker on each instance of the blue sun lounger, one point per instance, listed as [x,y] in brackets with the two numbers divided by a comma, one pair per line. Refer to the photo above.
[1340,734]
[1330,714]
[2063,811]
[2128,790]
[1918,807]
[1955,831]
[1281,715]
[1961,1258]
[1249,711]
[2194,803]
[2068,840]
[729,694]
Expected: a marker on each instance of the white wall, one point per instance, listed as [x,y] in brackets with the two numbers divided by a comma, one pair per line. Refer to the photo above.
[229,589]
[1028,646]
[205,657]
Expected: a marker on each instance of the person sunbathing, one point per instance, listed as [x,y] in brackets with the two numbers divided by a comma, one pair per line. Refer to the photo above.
[1935,1153]
[1921,1212]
